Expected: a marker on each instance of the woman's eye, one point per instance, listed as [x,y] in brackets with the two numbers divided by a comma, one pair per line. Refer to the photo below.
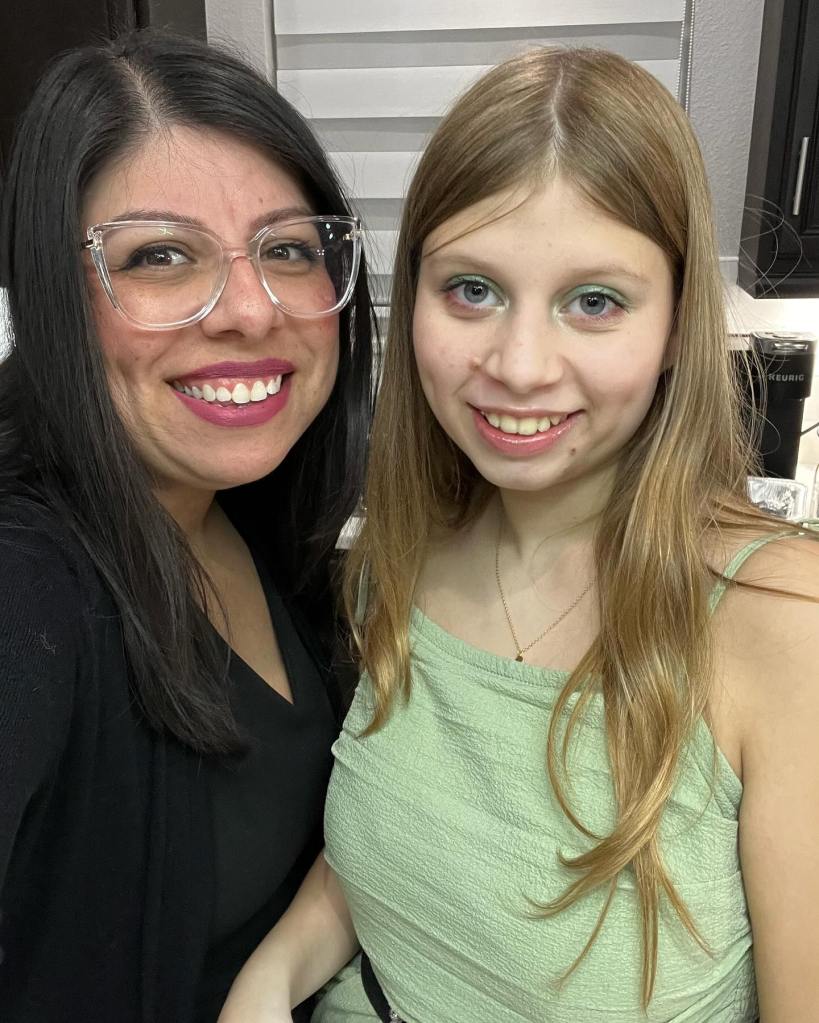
[290,252]
[472,294]
[157,256]
[595,304]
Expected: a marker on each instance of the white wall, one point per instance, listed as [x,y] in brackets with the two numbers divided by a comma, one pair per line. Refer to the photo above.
[724,59]
[245,24]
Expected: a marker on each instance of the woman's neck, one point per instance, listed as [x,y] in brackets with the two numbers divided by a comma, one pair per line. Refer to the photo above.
[192,510]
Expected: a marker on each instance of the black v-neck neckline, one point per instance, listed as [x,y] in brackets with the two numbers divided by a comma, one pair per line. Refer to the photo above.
[282,628]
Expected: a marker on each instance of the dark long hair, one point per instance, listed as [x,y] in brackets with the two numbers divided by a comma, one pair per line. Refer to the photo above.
[60,435]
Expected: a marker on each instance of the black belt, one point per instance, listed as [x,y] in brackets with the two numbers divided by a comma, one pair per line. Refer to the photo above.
[373,991]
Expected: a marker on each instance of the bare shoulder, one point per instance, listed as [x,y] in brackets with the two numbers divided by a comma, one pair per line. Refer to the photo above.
[789,563]
[767,631]
[766,634]
[769,618]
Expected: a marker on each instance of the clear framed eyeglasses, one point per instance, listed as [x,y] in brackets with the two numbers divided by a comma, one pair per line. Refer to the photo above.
[161,274]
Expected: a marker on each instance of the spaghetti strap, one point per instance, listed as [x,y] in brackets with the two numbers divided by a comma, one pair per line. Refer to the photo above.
[737,562]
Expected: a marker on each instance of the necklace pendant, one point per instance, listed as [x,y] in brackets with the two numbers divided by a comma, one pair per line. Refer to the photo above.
[519,657]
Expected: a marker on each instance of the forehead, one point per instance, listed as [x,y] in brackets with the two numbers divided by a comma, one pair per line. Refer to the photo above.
[551,224]
[204,174]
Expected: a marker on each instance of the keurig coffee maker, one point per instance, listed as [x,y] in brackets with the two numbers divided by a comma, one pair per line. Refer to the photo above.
[781,381]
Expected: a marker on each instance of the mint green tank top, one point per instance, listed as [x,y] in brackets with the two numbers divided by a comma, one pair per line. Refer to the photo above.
[444,832]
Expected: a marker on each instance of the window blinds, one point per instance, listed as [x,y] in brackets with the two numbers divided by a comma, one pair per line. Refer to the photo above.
[375,77]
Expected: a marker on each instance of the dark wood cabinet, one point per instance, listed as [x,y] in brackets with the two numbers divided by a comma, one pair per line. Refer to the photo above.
[34,31]
[779,248]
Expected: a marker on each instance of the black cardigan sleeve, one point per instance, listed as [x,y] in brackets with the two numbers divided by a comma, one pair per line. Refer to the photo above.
[41,632]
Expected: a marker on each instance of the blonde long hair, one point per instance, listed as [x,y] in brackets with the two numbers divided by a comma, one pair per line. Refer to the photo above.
[611,129]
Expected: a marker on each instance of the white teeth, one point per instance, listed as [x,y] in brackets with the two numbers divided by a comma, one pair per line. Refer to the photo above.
[241,394]
[525,427]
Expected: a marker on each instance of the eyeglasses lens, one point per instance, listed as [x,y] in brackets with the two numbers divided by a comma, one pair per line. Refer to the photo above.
[167,274]
[161,274]
[308,266]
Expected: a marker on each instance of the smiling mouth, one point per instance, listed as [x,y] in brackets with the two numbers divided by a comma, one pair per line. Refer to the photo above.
[527,426]
[241,393]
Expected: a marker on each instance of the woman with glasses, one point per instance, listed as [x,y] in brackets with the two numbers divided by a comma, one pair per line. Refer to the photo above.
[182,424]
[579,779]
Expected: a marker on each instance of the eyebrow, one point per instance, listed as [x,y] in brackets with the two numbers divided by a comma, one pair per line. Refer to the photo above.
[608,270]
[270,217]
[441,255]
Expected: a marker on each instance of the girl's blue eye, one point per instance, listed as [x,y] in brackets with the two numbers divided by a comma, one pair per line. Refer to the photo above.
[473,294]
[595,304]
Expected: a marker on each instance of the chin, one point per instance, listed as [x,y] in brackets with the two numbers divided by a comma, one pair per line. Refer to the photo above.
[524,483]
[235,479]
[226,477]
[529,475]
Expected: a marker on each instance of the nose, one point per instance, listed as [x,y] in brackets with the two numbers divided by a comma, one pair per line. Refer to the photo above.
[527,353]
[243,307]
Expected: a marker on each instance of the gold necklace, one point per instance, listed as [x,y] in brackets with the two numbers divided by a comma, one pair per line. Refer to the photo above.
[521,650]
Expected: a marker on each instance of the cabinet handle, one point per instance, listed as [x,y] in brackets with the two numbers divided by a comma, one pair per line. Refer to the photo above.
[800,176]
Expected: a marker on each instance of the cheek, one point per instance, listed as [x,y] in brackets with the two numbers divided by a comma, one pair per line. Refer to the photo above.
[436,369]
[328,345]
[627,373]
[106,323]
[323,342]
[129,354]
[132,357]
[120,356]
[443,358]
[119,348]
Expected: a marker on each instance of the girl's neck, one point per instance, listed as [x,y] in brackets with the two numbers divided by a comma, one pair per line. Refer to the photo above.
[540,523]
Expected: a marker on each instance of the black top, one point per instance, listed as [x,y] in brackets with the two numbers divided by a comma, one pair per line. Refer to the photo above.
[267,810]
[108,861]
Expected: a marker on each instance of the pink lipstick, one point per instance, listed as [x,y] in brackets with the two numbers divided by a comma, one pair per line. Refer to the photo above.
[518,445]
[238,370]
[228,413]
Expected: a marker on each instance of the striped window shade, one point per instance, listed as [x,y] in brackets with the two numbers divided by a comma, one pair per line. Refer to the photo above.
[374,77]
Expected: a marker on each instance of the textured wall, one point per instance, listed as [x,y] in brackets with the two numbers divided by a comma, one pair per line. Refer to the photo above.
[723,84]
[723,81]
[245,25]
